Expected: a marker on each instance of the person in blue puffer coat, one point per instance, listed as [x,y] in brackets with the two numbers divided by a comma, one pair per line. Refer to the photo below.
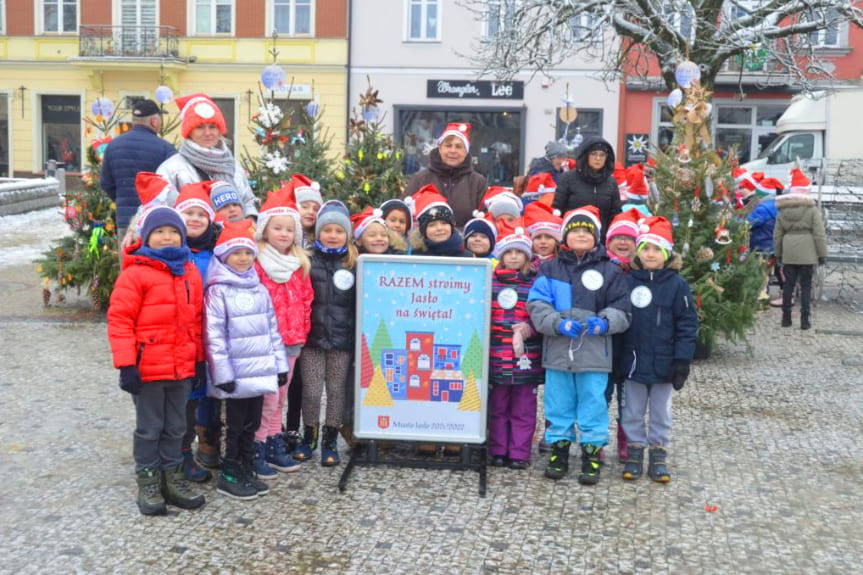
[578,301]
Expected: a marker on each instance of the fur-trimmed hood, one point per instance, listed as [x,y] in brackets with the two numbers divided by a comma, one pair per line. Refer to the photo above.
[792,200]
[675,262]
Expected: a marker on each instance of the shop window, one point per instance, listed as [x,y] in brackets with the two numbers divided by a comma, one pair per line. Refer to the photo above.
[226,105]
[423,21]
[588,122]
[5,170]
[214,17]
[59,16]
[495,138]
[61,131]
[292,17]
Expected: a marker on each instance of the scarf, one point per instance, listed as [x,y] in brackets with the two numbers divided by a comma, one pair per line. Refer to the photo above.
[206,241]
[174,258]
[279,267]
[450,247]
[325,250]
[217,163]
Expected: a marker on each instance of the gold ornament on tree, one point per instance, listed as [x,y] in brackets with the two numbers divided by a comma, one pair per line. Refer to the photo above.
[704,254]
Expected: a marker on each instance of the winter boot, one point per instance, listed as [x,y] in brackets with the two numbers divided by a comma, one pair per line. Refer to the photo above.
[191,471]
[292,440]
[589,465]
[656,468]
[804,320]
[177,491]
[622,450]
[277,455]
[558,463]
[307,446]
[207,454]
[330,447]
[259,464]
[634,463]
[150,500]
[259,486]
[786,317]
[233,481]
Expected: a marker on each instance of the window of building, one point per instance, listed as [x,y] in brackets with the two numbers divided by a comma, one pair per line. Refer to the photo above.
[61,131]
[423,21]
[5,169]
[226,105]
[292,17]
[453,353]
[681,16]
[388,359]
[396,388]
[830,36]
[414,380]
[435,388]
[59,16]
[214,17]
[587,123]
[2,16]
[389,375]
[584,29]
[500,17]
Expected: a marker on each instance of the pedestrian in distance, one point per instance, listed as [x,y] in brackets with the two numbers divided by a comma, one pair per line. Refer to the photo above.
[154,328]
[552,163]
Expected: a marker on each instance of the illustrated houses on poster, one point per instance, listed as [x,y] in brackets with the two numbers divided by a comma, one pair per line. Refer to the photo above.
[423,370]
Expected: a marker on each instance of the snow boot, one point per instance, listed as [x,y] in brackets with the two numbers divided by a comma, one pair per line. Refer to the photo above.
[233,482]
[150,500]
[622,451]
[330,447]
[804,320]
[277,455]
[292,440]
[207,454]
[191,470]
[177,491]
[786,318]
[656,467]
[634,465]
[251,478]
[558,463]
[307,446]
[590,464]
[260,465]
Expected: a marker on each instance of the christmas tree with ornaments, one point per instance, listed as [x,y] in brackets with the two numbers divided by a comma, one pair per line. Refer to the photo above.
[692,186]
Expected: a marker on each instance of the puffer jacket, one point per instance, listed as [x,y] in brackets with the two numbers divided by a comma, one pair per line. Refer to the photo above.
[241,338]
[180,172]
[799,237]
[664,324]
[582,187]
[762,222]
[571,288]
[506,368]
[461,186]
[292,301]
[334,306]
[155,319]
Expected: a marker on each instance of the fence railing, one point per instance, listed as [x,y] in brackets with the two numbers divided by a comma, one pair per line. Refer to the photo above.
[128,42]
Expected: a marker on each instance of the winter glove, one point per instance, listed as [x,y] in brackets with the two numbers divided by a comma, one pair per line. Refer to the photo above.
[679,373]
[570,328]
[228,386]
[130,379]
[282,378]
[822,261]
[517,343]
[596,325]
[200,376]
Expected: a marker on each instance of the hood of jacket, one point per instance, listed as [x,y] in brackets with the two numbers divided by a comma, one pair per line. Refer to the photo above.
[581,160]
[675,263]
[219,273]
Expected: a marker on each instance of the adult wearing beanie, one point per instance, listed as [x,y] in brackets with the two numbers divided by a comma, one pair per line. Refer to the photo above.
[551,163]
[591,183]
[204,153]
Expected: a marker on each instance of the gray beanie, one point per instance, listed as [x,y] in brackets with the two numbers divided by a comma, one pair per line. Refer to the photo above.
[554,149]
[333,212]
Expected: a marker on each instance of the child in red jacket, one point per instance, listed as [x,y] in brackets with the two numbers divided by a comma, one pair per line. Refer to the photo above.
[154,327]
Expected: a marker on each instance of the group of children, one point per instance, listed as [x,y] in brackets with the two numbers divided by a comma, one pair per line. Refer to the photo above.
[213,309]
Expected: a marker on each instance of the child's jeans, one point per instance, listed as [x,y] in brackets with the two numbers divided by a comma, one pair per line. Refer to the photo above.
[638,399]
[572,398]
[512,420]
[242,419]
[160,421]
[274,406]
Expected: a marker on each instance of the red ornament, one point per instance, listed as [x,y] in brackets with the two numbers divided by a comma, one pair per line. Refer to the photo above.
[728,257]
[698,301]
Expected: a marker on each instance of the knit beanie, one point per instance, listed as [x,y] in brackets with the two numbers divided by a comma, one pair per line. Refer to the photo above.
[583,217]
[333,212]
[397,204]
[502,201]
[554,150]
[222,194]
[481,224]
[159,216]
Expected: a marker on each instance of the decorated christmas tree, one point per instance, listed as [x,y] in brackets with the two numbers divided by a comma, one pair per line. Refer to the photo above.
[378,394]
[271,129]
[694,191]
[311,146]
[366,367]
[470,399]
[372,169]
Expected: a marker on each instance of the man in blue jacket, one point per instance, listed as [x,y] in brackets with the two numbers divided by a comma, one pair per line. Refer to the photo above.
[139,150]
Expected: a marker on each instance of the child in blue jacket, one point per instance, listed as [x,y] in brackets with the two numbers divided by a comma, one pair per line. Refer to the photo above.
[577,302]
[657,348]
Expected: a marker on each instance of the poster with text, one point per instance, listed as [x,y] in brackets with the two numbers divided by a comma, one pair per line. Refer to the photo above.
[422,348]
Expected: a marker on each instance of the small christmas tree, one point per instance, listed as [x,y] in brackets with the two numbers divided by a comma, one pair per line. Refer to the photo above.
[270,164]
[692,184]
[380,342]
[367,369]
[372,170]
[470,399]
[378,394]
[311,146]
[472,360]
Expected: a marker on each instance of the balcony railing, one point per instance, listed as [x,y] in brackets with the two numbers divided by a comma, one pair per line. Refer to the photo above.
[128,42]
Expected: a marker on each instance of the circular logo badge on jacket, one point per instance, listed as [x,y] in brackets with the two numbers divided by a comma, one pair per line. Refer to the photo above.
[641,297]
[507,298]
[343,280]
[592,280]
[244,301]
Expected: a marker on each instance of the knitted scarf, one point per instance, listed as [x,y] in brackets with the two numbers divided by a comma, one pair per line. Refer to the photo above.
[218,163]
[174,258]
[206,241]
[449,247]
[333,251]
[279,267]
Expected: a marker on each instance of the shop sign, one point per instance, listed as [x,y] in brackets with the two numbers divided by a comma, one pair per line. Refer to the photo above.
[636,149]
[475,89]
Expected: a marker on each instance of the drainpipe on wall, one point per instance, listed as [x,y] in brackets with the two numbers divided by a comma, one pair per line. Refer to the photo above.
[348,81]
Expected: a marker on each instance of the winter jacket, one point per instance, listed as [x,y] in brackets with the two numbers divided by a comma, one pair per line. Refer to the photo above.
[292,301]
[138,150]
[571,288]
[180,172]
[461,186]
[664,324]
[154,319]
[334,304]
[541,165]
[582,187]
[506,368]
[799,236]
[762,221]
[241,338]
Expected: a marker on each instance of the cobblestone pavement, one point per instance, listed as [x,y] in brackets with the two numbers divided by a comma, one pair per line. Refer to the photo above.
[771,439]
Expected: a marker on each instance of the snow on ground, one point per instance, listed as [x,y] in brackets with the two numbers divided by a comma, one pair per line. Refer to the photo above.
[23,237]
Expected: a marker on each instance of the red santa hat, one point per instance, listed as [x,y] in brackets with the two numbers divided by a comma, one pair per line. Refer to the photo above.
[234,236]
[625,224]
[153,189]
[196,195]
[365,218]
[800,184]
[430,206]
[460,130]
[197,110]
[583,217]
[656,230]
[513,239]
[501,201]
[537,185]
[540,218]
[279,203]
[636,184]
[304,189]
[620,178]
